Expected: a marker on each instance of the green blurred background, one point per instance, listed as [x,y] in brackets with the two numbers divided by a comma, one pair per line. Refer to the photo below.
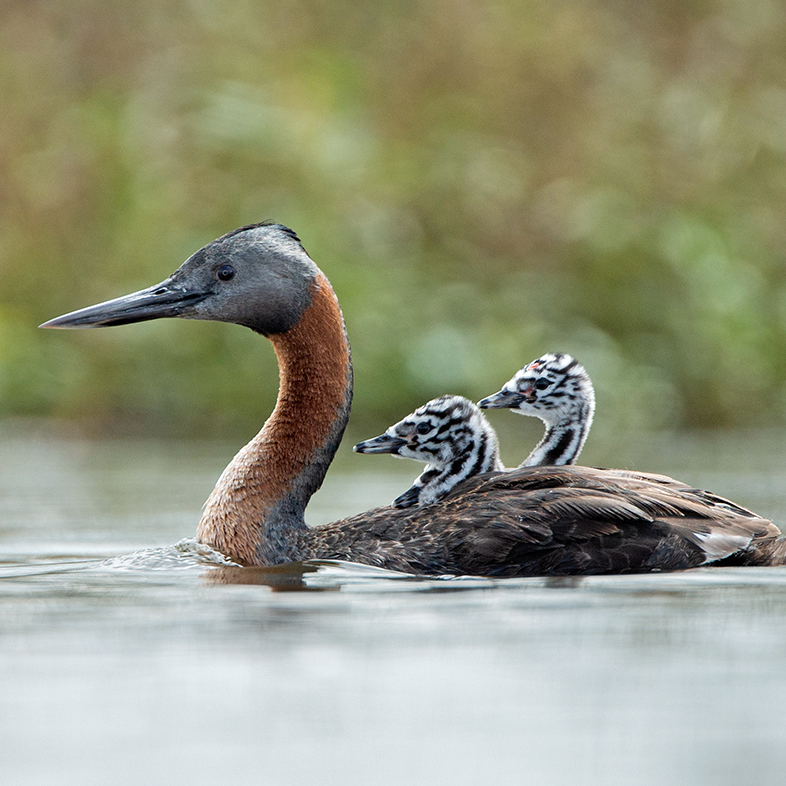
[482,181]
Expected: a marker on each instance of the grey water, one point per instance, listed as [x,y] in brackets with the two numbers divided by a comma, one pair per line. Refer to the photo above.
[130,655]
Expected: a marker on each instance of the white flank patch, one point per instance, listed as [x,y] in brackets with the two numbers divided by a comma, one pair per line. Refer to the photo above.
[718,545]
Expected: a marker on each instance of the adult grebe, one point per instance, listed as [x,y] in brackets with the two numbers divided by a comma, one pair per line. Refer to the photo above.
[531,521]
[557,389]
[449,434]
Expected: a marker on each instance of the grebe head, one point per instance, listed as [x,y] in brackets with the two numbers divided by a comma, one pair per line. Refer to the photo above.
[555,387]
[451,436]
[437,433]
[258,276]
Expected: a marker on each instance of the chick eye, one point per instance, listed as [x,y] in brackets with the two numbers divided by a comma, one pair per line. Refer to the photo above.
[542,383]
[225,273]
[423,428]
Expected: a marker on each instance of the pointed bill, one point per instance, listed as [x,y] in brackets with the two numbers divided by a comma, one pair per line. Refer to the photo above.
[381,444]
[161,300]
[502,400]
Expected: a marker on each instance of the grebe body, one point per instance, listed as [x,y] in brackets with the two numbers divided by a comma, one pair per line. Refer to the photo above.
[531,521]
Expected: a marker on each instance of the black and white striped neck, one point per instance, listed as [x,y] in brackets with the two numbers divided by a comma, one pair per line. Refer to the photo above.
[451,435]
[563,440]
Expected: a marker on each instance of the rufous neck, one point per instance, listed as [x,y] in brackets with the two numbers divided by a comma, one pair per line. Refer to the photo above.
[259,501]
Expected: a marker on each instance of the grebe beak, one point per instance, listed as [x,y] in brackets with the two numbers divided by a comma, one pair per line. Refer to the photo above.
[505,399]
[161,300]
[381,444]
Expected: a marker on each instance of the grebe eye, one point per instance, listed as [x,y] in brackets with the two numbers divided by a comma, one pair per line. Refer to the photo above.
[225,273]
[423,428]
[542,383]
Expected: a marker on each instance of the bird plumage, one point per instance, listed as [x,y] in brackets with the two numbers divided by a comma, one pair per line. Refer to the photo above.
[531,521]
[557,389]
[449,434]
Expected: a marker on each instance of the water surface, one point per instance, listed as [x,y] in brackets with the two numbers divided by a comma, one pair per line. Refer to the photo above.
[128,655]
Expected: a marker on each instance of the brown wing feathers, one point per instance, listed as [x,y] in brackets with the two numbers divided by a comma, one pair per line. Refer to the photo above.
[548,520]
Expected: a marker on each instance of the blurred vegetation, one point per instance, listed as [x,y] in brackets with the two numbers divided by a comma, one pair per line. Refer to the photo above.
[482,181]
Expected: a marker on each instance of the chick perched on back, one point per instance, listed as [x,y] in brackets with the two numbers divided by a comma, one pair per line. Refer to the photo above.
[451,435]
[557,389]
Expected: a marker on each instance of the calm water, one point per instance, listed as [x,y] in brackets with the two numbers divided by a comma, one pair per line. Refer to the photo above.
[127,659]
